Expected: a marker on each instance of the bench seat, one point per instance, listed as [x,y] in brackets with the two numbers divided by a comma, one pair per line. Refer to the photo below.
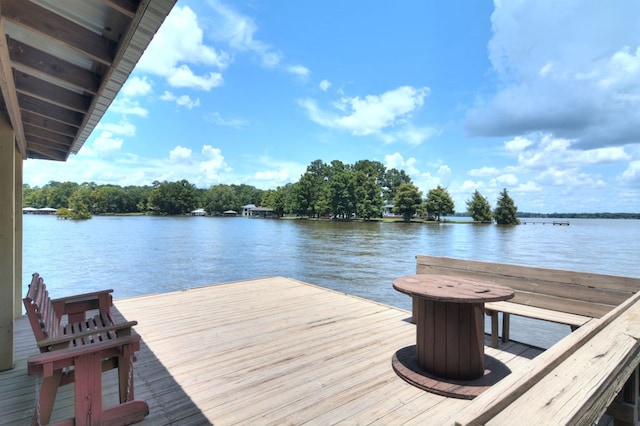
[510,308]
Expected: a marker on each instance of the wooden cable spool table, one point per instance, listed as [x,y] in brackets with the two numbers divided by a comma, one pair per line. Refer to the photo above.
[449,321]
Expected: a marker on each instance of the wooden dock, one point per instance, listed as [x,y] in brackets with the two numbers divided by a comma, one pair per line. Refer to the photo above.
[266,351]
[542,222]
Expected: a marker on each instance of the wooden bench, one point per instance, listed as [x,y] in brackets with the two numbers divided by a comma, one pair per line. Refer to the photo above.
[590,373]
[77,349]
[564,297]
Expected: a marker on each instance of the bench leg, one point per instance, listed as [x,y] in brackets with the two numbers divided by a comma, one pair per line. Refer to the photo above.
[494,328]
[505,327]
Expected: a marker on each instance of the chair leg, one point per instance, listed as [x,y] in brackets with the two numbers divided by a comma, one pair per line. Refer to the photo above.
[46,398]
[125,377]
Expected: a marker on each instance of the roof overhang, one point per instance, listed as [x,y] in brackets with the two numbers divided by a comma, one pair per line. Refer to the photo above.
[62,62]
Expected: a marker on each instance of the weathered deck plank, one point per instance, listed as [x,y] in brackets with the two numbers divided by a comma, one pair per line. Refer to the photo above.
[267,351]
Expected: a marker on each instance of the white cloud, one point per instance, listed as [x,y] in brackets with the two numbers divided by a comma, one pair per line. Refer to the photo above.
[484,171]
[128,106]
[565,68]
[105,145]
[137,86]
[183,76]
[548,151]
[182,100]
[387,115]
[410,134]
[300,71]
[518,144]
[325,85]
[217,118]
[504,180]
[170,56]
[239,31]
[168,96]
[632,173]
[397,161]
[180,154]
[470,186]
[187,102]
[272,173]
[123,128]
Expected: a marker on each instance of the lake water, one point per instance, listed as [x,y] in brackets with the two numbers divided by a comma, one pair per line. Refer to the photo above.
[141,255]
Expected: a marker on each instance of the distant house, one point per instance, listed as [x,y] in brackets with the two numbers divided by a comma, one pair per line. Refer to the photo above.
[229,213]
[263,212]
[387,210]
[246,210]
[198,212]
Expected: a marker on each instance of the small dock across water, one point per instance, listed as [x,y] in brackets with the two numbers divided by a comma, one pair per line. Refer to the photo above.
[542,222]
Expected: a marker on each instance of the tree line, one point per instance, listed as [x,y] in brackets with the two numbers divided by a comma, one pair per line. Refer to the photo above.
[335,190]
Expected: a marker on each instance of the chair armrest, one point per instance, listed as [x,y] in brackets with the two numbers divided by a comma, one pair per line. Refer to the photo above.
[47,362]
[80,303]
[57,341]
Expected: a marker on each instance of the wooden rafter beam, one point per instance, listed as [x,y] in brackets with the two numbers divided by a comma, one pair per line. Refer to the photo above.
[52,93]
[8,88]
[35,141]
[50,66]
[126,7]
[55,112]
[42,122]
[32,17]
[39,132]
[44,153]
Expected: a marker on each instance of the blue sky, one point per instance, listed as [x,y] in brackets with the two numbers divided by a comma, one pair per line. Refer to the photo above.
[539,97]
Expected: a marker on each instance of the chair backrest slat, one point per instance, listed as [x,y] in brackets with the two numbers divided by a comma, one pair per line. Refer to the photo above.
[42,316]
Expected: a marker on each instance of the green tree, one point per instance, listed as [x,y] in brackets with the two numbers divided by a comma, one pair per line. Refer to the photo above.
[368,196]
[289,197]
[369,176]
[392,179]
[407,200]
[173,198]
[58,193]
[478,208]
[342,187]
[220,198]
[274,199]
[439,203]
[33,197]
[505,212]
[247,194]
[311,191]
[77,210]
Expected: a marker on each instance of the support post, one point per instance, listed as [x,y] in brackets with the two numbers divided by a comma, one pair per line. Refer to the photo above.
[17,309]
[7,242]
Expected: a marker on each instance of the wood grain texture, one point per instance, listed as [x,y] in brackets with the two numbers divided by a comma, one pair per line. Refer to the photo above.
[266,351]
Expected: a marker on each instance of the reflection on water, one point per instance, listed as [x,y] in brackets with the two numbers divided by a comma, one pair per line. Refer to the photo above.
[140,255]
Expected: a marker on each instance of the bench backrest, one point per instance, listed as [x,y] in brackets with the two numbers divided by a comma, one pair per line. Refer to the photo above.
[578,293]
[44,320]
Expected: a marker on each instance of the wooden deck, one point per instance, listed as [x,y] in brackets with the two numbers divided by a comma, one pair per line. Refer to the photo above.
[265,351]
